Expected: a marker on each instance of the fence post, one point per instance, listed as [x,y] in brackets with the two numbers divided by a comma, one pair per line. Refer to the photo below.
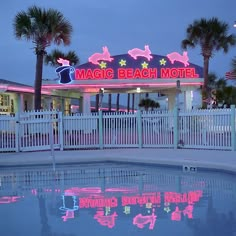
[51,140]
[17,132]
[140,130]
[176,127]
[233,146]
[61,131]
[100,129]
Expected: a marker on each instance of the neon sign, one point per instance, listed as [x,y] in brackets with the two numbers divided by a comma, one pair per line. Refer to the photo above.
[190,197]
[141,220]
[175,56]
[9,199]
[105,56]
[176,214]
[98,202]
[143,199]
[129,73]
[136,64]
[65,71]
[104,220]
[136,52]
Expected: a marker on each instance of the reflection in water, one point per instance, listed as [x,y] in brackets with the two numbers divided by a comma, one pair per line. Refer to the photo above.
[45,230]
[116,197]
[216,224]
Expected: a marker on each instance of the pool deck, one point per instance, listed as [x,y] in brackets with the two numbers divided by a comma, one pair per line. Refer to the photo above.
[209,159]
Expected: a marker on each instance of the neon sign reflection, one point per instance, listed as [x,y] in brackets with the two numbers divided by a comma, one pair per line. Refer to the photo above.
[107,208]
[141,220]
[106,213]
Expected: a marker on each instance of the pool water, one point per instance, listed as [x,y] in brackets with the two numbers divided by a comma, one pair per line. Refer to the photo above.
[116,199]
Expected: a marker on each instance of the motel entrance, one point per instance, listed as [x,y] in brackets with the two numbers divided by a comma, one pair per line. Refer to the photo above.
[138,71]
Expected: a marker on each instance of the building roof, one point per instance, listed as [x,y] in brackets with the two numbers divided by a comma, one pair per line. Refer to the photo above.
[8,82]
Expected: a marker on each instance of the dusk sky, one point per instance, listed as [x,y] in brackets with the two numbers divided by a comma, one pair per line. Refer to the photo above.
[120,25]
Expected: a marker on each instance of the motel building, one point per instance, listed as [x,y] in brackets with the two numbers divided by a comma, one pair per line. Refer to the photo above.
[138,72]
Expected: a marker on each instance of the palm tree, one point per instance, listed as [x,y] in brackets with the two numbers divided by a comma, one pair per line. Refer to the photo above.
[128,102]
[42,27]
[133,100]
[118,102]
[109,102]
[224,94]
[97,102]
[234,64]
[148,103]
[212,80]
[212,36]
[51,58]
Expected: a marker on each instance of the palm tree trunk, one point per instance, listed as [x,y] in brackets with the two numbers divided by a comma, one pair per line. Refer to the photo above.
[109,102]
[205,74]
[45,228]
[117,102]
[133,98]
[97,103]
[128,102]
[38,82]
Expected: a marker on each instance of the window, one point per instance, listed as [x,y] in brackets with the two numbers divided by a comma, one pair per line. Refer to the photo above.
[4,100]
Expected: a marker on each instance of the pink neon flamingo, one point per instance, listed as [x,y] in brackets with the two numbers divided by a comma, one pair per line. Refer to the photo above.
[175,56]
[141,220]
[105,56]
[108,220]
[136,52]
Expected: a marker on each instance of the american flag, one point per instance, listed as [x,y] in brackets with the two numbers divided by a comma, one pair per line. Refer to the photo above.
[230,75]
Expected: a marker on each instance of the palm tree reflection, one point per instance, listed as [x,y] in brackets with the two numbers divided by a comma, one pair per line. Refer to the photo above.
[216,224]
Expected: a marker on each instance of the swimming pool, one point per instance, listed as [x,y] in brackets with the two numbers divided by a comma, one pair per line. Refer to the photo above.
[116,199]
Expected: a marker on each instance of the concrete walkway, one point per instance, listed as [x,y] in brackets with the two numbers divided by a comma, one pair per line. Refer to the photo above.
[218,160]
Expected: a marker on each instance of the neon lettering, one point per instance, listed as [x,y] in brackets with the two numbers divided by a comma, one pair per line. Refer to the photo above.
[100,202]
[178,73]
[153,73]
[94,74]
[141,200]
[174,73]
[190,198]
[121,73]
[9,199]
[129,73]
[80,74]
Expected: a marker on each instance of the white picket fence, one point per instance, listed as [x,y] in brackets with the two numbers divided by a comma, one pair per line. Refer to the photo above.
[198,129]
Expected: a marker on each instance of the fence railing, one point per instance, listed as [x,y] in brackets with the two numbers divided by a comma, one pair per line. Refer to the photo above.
[135,179]
[199,129]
